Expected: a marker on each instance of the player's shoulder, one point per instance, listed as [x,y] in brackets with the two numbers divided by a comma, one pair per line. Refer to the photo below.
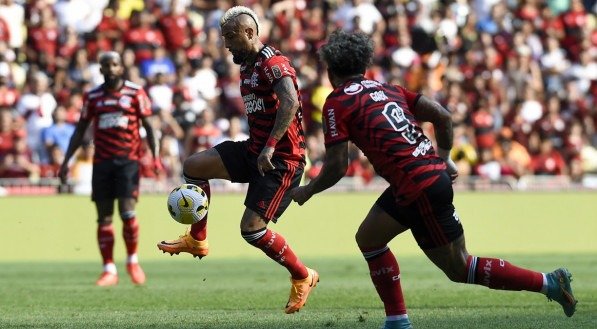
[271,56]
[131,88]
[95,92]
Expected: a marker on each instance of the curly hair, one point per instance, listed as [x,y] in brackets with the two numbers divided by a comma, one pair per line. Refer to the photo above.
[347,54]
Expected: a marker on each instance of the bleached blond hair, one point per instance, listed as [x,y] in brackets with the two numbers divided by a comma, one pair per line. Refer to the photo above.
[236,11]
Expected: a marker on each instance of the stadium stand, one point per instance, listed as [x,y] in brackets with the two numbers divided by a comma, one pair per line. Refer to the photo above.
[520,78]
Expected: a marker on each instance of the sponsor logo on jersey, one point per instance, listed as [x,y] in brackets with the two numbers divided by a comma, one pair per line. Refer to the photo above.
[370,84]
[253,104]
[276,71]
[331,123]
[255,80]
[423,148]
[107,102]
[378,96]
[353,89]
[112,120]
[125,102]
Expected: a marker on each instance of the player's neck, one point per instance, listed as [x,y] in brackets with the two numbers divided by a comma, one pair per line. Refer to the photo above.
[114,85]
[251,59]
[339,81]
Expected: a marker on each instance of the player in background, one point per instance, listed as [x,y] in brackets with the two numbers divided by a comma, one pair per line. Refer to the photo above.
[271,160]
[116,108]
[382,120]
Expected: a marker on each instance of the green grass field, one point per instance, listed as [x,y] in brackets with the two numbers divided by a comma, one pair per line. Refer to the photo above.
[50,261]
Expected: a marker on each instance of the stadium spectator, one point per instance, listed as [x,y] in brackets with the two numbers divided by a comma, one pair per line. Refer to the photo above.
[59,133]
[37,106]
[511,59]
[117,108]
[420,196]
[271,160]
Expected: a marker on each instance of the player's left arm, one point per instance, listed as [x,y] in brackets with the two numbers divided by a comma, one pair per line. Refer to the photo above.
[334,168]
[289,104]
[144,112]
[427,110]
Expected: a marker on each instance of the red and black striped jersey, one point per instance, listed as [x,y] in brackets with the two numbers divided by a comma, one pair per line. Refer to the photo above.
[116,120]
[378,118]
[262,104]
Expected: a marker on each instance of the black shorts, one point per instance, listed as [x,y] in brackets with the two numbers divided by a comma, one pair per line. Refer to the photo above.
[431,218]
[267,195]
[114,179]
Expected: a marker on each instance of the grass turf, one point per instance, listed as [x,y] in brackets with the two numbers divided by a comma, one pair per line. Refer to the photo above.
[47,275]
[240,293]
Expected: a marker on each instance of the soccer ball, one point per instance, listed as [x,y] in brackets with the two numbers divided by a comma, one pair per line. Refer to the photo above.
[188,204]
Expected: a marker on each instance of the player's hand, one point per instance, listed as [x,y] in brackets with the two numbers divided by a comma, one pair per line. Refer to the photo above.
[63,173]
[301,194]
[158,168]
[264,161]
[451,169]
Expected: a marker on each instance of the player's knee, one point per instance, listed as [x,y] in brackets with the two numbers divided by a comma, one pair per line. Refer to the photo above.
[363,239]
[193,165]
[456,275]
[104,220]
[127,215]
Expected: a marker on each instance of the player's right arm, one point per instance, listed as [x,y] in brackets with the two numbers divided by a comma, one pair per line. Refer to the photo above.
[334,168]
[75,140]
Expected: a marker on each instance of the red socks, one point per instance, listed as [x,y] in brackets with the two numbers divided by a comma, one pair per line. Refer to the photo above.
[130,233]
[385,275]
[199,229]
[276,248]
[105,240]
[499,274]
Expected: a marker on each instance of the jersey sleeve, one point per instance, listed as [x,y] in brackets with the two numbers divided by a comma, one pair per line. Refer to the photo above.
[411,97]
[276,68]
[143,104]
[335,127]
[87,111]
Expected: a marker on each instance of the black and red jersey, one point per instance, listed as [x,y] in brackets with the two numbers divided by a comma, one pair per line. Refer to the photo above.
[261,104]
[378,118]
[116,120]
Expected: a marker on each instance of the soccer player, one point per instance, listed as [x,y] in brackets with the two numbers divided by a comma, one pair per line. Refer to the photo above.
[271,160]
[116,108]
[382,120]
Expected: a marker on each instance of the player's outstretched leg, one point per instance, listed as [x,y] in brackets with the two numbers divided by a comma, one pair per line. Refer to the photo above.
[185,243]
[500,274]
[303,279]
[194,241]
[559,289]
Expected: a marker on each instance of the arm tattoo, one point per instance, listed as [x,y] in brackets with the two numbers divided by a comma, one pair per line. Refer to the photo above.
[441,118]
[289,104]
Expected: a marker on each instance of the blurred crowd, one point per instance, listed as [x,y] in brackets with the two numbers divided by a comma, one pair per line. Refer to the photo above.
[520,77]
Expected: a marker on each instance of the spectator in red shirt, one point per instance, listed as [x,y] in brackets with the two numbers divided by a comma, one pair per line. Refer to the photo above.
[549,161]
[8,94]
[43,40]
[4,31]
[142,36]
[177,28]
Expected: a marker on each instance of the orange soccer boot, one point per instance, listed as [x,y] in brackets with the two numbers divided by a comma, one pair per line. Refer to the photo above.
[107,279]
[136,273]
[299,291]
[185,243]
